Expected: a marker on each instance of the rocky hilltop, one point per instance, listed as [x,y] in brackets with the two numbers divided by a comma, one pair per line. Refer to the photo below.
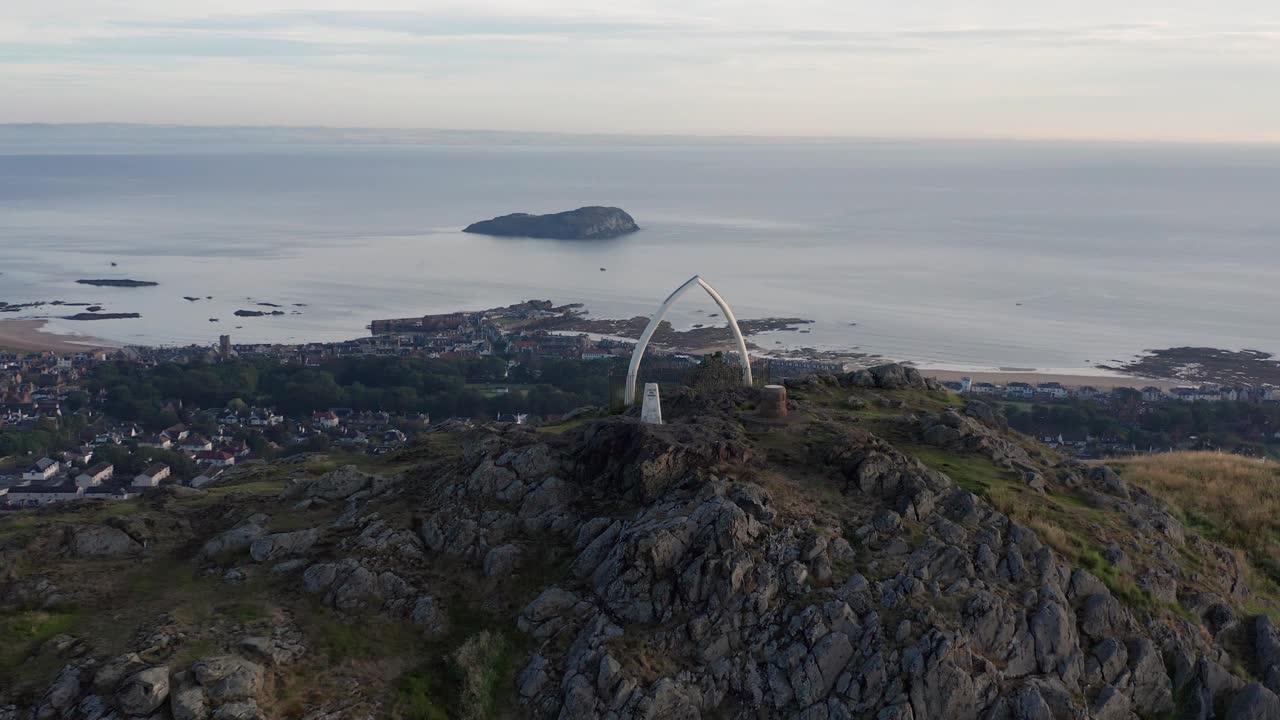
[889,552]
[586,223]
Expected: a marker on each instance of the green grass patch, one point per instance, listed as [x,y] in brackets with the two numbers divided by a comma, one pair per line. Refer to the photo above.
[251,488]
[416,695]
[21,636]
[88,512]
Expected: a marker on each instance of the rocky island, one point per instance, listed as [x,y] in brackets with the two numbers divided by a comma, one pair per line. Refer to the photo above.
[586,223]
[118,283]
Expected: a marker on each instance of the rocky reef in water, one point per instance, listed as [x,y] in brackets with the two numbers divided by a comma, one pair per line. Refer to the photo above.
[118,283]
[890,552]
[86,316]
[586,223]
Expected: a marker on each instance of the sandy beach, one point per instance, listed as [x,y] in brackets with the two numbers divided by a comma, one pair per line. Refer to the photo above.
[1098,381]
[29,336]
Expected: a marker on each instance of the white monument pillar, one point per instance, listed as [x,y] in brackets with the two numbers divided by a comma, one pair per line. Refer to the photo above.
[651,410]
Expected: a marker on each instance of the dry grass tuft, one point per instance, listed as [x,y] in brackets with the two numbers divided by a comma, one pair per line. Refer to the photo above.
[480,663]
[1230,498]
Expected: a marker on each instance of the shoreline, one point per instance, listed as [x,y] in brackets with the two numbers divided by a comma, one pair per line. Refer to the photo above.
[1102,382]
[34,335]
[31,336]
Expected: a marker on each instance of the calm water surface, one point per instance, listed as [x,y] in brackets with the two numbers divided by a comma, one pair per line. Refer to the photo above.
[960,254]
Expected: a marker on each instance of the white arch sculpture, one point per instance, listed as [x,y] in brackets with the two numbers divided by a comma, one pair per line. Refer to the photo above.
[633,370]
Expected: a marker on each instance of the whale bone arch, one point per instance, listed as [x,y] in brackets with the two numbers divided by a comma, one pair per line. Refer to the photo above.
[633,370]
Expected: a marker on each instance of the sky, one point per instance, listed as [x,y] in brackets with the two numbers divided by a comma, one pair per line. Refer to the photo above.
[1087,69]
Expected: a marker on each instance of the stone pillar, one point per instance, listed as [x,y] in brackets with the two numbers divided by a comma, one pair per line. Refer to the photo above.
[773,402]
[651,410]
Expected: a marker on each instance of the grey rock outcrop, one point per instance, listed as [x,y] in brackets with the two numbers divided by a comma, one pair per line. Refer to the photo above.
[99,541]
[143,692]
[271,548]
[238,538]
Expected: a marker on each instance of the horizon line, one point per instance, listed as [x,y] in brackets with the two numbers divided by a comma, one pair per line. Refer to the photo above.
[1187,141]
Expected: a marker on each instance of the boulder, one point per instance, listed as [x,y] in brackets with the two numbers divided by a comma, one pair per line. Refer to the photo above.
[1254,702]
[187,700]
[61,695]
[282,545]
[337,485]
[99,541]
[237,539]
[229,678]
[143,692]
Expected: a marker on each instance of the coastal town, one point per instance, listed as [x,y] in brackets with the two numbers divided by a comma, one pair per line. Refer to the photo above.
[97,455]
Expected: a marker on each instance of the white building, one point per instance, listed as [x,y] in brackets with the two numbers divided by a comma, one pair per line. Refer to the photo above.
[44,469]
[216,458]
[1053,390]
[152,476]
[96,475]
[44,494]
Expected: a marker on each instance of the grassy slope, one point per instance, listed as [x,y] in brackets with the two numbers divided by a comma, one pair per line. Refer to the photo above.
[1230,499]
[1066,521]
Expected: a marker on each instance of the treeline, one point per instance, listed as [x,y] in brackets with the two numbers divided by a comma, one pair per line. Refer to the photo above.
[443,388]
[1229,425]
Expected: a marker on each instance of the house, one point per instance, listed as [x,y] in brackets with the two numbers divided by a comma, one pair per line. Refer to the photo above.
[265,418]
[326,420]
[1209,394]
[1052,389]
[1152,394]
[208,477]
[195,444]
[393,436]
[1019,389]
[81,455]
[107,438]
[160,441]
[178,432]
[152,476]
[44,493]
[1088,392]
[43,469]
[96,475]
[983,388]
[1077,438]
[216,458]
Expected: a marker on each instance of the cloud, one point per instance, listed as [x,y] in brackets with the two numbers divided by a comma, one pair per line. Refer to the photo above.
[809,66]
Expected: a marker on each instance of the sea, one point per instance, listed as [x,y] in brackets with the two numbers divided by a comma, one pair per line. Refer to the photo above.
[1055,256]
